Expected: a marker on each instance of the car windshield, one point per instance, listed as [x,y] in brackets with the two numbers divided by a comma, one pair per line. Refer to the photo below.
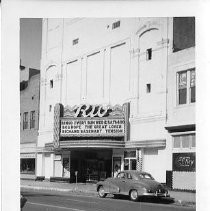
[145,176]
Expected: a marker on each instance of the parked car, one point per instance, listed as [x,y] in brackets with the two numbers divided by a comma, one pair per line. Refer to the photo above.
[135,184]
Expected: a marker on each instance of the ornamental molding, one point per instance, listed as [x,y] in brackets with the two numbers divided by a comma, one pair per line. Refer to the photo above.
[148,26]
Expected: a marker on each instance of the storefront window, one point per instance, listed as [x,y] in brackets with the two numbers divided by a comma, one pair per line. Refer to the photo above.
[27,166]
[184,141]
[177,142]
[130,160]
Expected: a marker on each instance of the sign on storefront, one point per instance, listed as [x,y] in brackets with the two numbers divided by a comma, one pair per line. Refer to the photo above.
[92,127]
[183,161]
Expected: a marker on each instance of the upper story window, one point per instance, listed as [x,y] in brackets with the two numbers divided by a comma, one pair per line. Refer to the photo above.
[25,120]
[184,141]
[51,84]
[183,33]
[186,87]
[149,54]
[32,119]
[50,108]
[148,89]
[75,41]
[116,25]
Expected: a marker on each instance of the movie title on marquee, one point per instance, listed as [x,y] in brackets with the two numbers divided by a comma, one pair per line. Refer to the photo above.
[92,127]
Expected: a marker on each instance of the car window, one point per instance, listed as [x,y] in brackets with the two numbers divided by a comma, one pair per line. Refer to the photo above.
[121,175]
[145,176]
[129,176]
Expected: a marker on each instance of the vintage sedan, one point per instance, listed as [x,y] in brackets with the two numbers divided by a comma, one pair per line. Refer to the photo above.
[135,184]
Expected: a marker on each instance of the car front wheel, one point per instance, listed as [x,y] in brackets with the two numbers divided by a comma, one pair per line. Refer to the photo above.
[134,195]
[101,192]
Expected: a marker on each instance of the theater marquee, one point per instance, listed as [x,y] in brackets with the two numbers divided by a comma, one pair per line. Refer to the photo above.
[90,121]
[93,127]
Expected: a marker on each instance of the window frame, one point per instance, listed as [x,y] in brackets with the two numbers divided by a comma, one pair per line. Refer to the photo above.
[32,119]
[25,120]
[181,148]
[188,86]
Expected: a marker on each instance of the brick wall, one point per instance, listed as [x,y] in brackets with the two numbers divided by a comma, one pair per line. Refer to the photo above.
[29,101]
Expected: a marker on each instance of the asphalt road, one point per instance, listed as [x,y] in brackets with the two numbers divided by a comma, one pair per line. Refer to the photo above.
[50,201]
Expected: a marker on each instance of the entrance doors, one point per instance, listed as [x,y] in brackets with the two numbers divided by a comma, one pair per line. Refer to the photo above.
[66,166]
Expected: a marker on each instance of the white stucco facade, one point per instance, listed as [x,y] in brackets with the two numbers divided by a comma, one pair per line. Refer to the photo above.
[132,63]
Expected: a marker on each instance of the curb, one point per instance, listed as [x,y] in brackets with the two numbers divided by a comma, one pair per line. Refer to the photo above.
[58,189]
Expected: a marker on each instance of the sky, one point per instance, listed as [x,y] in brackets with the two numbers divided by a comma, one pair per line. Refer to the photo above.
[30,42]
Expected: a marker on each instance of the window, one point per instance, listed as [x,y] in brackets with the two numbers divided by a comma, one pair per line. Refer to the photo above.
[25,120]
[184,141]
[75,41]
[182,88]
[27,166]
[51,83]
[186,87]
[148,88]
[177,142]
[129,176]
[149,54]
[121,175]
[116,25]
[20,120]
[32,119]
[183,33]
[192,86]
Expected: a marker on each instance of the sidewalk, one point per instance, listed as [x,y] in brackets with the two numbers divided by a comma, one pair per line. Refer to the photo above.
[181,198]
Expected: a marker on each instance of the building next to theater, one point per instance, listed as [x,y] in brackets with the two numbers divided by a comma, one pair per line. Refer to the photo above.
[29,115]
[117,93]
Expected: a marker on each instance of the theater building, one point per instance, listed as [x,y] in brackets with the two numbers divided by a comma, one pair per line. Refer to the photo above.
[104,97]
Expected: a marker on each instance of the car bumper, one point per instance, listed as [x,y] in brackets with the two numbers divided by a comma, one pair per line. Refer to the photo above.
[156,194]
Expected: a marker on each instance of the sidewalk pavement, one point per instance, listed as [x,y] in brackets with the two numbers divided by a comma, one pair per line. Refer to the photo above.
[181,198]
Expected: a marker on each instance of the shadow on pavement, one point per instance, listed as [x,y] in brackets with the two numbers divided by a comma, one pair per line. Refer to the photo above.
[148,200]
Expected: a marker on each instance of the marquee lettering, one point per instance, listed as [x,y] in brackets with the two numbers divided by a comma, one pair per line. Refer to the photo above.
[91,111]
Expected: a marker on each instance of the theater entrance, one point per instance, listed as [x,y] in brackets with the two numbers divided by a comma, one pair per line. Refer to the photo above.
[91,165]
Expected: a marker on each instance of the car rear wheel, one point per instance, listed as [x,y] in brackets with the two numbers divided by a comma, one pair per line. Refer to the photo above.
[134,195]
[101,192]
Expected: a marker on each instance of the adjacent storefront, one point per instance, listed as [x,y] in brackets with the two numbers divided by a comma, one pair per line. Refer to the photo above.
[183,174]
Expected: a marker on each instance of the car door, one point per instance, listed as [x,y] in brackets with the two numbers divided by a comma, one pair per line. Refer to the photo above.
[128,184]
[121,182]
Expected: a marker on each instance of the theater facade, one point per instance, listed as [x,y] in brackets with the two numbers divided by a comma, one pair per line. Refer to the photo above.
[108,99]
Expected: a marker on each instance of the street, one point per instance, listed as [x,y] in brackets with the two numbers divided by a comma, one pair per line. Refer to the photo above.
[54,201]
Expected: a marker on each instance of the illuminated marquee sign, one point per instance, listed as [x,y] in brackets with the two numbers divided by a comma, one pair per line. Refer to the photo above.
[88,120]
